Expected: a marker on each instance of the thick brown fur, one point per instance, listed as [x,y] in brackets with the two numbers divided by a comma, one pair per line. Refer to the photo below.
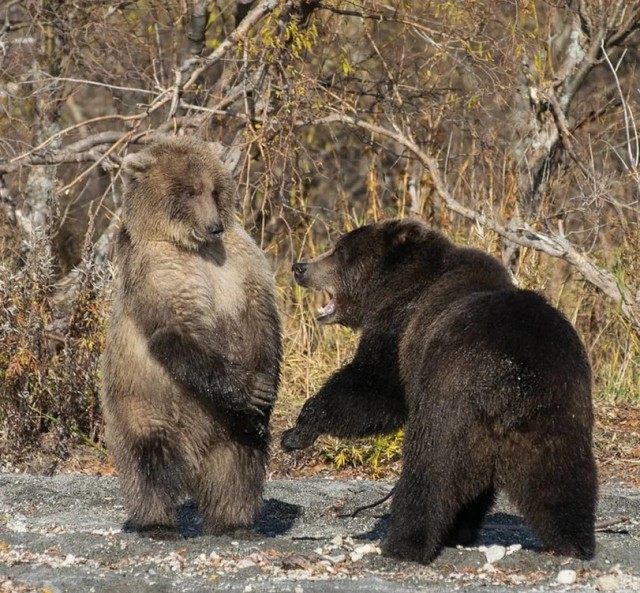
[191,366]
[491,383]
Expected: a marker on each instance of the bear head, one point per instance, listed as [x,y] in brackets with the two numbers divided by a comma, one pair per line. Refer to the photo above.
[360,262]
[177,190]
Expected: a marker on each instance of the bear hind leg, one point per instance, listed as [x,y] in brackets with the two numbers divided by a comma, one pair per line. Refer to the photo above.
[154,481]
[558,503]
[230,491]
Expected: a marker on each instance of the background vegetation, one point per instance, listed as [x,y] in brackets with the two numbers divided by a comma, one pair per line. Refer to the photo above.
[510,125]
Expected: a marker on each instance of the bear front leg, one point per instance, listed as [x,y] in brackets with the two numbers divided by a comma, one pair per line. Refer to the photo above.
[423,509]
[211,377]
[445,488]
[355,402]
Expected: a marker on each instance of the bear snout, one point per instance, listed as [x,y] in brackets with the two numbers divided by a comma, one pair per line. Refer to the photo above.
[215,230]
[299,271]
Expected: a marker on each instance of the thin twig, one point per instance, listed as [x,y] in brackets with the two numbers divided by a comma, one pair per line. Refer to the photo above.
[606,523]
[371,505]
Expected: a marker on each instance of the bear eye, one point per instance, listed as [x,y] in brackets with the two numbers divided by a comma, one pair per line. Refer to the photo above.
[215,193]
[190,193]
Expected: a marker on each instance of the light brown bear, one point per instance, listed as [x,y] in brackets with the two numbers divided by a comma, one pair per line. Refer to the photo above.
[191,366]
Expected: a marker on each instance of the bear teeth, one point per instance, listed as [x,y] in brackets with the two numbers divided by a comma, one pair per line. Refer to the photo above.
[328,309]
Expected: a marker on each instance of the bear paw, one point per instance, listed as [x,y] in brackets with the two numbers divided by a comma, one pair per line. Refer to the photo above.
[262,394]
[295,439]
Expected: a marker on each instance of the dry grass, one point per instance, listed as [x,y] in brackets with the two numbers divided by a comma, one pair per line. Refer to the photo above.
[50,384]
[49,363]
[311,351]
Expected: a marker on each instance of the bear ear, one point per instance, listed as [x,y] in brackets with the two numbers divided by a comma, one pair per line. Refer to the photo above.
[406,231]
[229,156]
[135,164]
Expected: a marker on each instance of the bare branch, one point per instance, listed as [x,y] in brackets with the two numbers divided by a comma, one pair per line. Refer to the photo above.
[588,42]
[261,9]
[556,245]
[619,35]
[630,128]
[68,130]
[198,16]
[565,135]
[85,150]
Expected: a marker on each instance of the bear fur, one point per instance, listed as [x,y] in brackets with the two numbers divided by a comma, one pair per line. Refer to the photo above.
[192,359]
[491,383]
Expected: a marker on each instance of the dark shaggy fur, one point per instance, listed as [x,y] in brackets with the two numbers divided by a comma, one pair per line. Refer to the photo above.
[191,365]
[491,382]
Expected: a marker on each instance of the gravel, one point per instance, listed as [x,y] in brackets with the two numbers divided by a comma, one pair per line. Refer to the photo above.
[62,534]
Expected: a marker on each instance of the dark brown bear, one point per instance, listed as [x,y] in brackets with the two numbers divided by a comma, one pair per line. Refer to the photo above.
[491,382]
[191,366]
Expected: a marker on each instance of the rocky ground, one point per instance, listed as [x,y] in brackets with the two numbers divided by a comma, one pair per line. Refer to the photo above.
[63,534]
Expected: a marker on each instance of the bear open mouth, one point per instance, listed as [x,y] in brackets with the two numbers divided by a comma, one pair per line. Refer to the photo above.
[328,310]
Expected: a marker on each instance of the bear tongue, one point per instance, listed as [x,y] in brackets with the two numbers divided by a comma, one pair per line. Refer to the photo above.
[328,309]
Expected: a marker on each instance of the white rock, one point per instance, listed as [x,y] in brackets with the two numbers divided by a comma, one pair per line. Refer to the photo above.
[489,568]
[248,589]
[495,553]
[318,550]
[69,560]
[336,558]
[246,563]
[298,589]
[17,524]
[367,549]
[355,556]
[514,548]
[566,577]
[337,540]
[607,582]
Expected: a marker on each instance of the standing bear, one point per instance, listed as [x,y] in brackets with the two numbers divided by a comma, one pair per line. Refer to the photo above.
[191,366]
[491,382]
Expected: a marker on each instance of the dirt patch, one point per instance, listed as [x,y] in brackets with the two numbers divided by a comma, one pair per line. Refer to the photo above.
[617,443]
